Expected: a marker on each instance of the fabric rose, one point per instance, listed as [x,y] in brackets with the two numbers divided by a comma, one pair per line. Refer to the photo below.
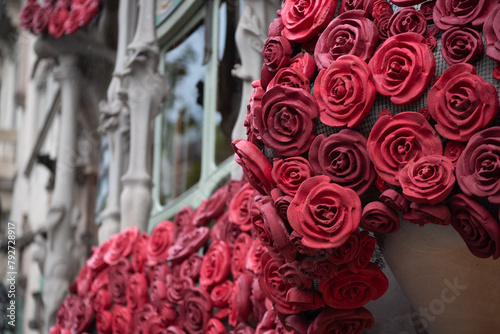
[240,302]
[253,256]
[215,265]
[104,322]
[89,10]
[183,220]
[118,279]
[254,103]
[224,230]
[379,218]
[342,321]
[364,255]
[239,254]
[239,208]
[159,242]
[461,102]
[478,228]
[101,281]
[276,53]
[403,67]
[72,21]
[154,325]
[195,310]
[101,301]
[382,23]
[276,27]
[167,313]
[255,164]
[157,292]
[57,20]
[292,273]
[137,291]
[427,9]
[176,287]
[394,200]
[296,240]
[345,92]
[491,33]
[214,326]
[347,5]
[96,260]
[449,13]
[286,120]
[211,208]
[81,315]
[187,244]
[407,20]
[156,272]
[191,267]
[479,165]
[324,213]
[28,13]
[380,8]
[430,179]
[139,253]
[290,77]
[304,63]
[84,281]
[121,245]
[395,141]
[453,150]
[290,173]
[141,318]
[41,18]
[174,330]
[122,319]
[346,252]
[348,290]
[461,45]
[221,294]
[422,214]
[349,33]
[302,21]
[344,159]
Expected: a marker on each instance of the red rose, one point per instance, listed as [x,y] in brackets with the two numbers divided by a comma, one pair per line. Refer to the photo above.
[344,159]
[254,103]
[286,120]
[121,245]
[239,255]
[104,322]
[478,228]
[346,252]
[176,287]
[27,14]
[349,33]
[195,310]
[276,53]
[281,202]
[159,242]
[461,45]
[191,267]
[225,231]
[214,326]
[174,330]
[239,208]
[81,315]
[154,325]
[292,274]
[240,304]
[139,253]
[167,312]
[122,319]
[96,260]
[378,217]
[403,67]
[157,292]
[421,214]
[347,5]
[395,200]
[118,279]
[290,77]
[462,103]
[324,213]
[492,33]
[345,92]
[449,13]
[188,243]
[213,208]
[431,42]
[156,272]
[215,265]
[183,220]
[261,228]
[101,300]
[255,165]
[101,281]
[304,63]
[88,11]
[427,9]
[430,179]
[242,328]
[453,150]
[342,321]
[407,20]
[302,21]
[141,318]
[221,294]
[395,141]
[253,256]
[72,23]
[367,245]
[348,290]
[276,27]
[479,165]
[382,23]
[84,281]
[137,291]
[290,173]
[57,20]
[381,8]
[41,18]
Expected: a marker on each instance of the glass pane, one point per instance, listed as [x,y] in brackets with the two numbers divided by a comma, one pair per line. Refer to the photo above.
[183,117]
[164,8]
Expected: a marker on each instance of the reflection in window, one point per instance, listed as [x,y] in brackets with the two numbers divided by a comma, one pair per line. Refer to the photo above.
[183,117]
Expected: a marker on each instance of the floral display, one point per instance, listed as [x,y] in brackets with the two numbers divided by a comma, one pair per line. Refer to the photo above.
[58,17]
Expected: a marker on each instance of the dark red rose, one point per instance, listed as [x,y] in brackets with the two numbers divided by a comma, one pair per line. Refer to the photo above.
[348,290]
[291,273]
[101,281]
[176,287]
[225,231]
[81,315]
[159,242]
[381,8]
[478,228]
[262,229]
[433,31]
[104,322]
[118,280]
[183,220]
[72,21]
[101,300]
[214,326]
[286,120]
[383,27]
[344,159]
[239,208]
[121,245]
[27,14]
[479,165]
[255,102]
[253,256]
[41,18]
[395,200]
[240,304]
[290,77]
[195,310]
[367,245]
[453,150]
[276,53]
[431,42]
[84,281]
[407,20]
[63,316]
[346,252]
[239,255]
[349,33]
[304,63]
[421,214]
[491,33]
[449,13]
[191,267]
[296,240]
[290,173]
[281,202]
[255,165]
[342,321]
[57,21]
[381,184]
[380,218]
[137,291]
[429,180]
[395,141]
[427,9]
[462,103]
[276,27]
[324,213]
[156,272]
[347,5]
[215,265]
[154,325]
[403,67]
[221,294]
[122,319]
[304,20]
[323,269]
[242,328]
[461,45]
[345,92]
[188,243]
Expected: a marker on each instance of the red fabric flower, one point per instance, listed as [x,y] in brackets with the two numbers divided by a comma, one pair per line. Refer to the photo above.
[286,120]
[461,45]
[276,27]
[239,255]
[449,13]
[161,239]
[122,319]
[350,33]
[403,67]
[453,150]
[27,14]
[478,228]
[348,290]
[290,173]
[324,213]
[344,159]
[491,33]
[253,257]
[175,330]
[101,301]
[239,208]
[346,252]
[290,77]
[104,322]
[157,292]
[380,218]
[395,141]
[304,20]
[304,63]
[240,304]
[395,200]
[96,260]
[191,266]
[407,20]
[81,315]
[342,321]
[195,310]
[211,208]
[462,103]
[71,24]
[139,253]
[347,5]
[176,287]
[121,245]
[89,9]
[57,20]
[214,326]
[221,294]
[421,214]
[183,220]
[137,291]
[276,53]
[41,18]
[381,8]
[382,23]
[188,243]
[118,279]
[215,265]
[365,252]
[428,9]
[345,92]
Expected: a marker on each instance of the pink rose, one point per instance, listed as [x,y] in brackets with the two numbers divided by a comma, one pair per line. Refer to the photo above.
[364,255]
[461,45]
[72,23]
[383,27]
[101,300]
[428,9]
[176,287]
[81,315]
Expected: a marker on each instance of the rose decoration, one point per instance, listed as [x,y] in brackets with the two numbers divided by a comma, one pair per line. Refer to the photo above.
[159,243]
[395,141]
[239,208]
[349,33]
[239,254]
[478,166]
[304,63]
[381,8]
[214,326]
[382,23]
[407,20]
[122,319]
[449,13]
[476,226]
[422,214]
[380,218]
[41,18]
[212,208]
[137,291]
[395,200]
[139,252]
[191,267]
[403,67]
[491,33]
[118,279]
[342,321]
[104,322]
[324,213]
[462,102]
[367,245]
[121,245]
[277,51]
[215,265]
[290,77]
[347,5]
[195,310]
[461,45]
[187,244]
[453,150]
[290,173]
[345,92]
[344,159]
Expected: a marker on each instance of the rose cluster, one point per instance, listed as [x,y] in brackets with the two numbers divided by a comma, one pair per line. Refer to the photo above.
[58,17]
[322,83]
